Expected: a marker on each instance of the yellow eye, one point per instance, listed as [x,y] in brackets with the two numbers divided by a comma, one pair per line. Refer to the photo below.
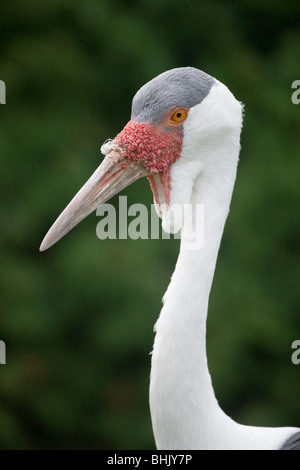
[179,115]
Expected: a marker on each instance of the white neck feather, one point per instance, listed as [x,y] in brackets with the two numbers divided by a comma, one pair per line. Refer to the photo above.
[182,399]
[185,413]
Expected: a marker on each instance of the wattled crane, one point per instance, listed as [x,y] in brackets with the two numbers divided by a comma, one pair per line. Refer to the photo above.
[184,136]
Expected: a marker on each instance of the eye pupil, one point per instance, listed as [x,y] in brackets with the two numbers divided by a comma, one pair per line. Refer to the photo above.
[178,115]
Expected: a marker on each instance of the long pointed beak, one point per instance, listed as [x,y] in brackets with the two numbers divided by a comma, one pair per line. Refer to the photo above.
[113,175]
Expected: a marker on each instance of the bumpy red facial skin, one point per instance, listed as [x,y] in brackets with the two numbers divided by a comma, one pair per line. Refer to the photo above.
[154,147]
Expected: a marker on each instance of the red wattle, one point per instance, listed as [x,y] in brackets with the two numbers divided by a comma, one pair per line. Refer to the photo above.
[154,147]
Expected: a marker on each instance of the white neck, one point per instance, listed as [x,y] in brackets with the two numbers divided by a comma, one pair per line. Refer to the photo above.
[182,399]
[185,413]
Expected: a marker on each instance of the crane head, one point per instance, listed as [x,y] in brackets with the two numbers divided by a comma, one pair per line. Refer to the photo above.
[159,133]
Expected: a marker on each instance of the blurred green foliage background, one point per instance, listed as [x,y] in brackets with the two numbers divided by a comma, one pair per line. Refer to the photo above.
[78,319]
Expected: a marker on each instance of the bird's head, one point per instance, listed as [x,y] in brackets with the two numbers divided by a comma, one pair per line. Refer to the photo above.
[179,121]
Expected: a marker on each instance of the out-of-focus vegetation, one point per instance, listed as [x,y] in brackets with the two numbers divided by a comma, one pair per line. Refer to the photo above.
[77,320]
